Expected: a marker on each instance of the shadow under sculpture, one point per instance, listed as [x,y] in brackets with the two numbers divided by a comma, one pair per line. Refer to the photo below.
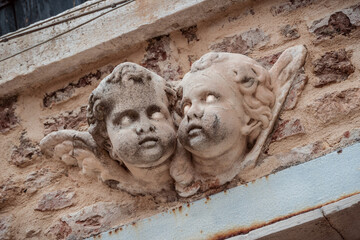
[229,104]
[131,138]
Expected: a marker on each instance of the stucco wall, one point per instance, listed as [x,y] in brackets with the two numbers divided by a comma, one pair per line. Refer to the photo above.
[322,112]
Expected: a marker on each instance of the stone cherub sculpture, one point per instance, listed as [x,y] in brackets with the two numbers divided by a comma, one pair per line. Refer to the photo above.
[229,104]
[131,138]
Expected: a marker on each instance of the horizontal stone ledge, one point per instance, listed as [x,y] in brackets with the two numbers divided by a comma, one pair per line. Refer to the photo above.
[112,33]
[305,188]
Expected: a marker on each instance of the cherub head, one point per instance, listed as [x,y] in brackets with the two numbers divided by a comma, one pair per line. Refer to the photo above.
[129,116]
[227,100]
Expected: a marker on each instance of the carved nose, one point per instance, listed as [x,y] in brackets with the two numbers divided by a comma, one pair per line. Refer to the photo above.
[145,128]
[195,112]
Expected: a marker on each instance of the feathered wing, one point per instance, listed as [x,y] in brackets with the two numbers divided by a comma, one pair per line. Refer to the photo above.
[282,75]
[77,148]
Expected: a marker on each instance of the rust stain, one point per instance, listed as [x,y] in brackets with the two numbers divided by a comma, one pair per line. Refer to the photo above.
[180,209]
[186,214]
[244,230]
[133,224]
[207,199]
[225,191]
[267,177]
[110,232]
[201,231]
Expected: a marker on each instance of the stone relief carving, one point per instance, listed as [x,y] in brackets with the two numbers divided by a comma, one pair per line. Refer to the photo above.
[229,104]
[131,137]
[225,108]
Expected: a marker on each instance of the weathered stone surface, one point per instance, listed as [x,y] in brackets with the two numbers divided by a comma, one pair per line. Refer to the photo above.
[213,134]
[9,190]
[40,178]
[8,119]
[90,220]
[158,58]
[67,92]
[287,128]
[26,153]
[190,33]
[56,200]
[295,91]
[5,227]
[236,16]
[334,66]
[192,59]
[290,31]
[289,6]
[75,119]
[331,107]
[130,123]
[268,61]
[338,23]
[32,233]
[242,43]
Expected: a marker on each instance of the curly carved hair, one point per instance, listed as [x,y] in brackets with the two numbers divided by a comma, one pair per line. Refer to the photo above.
[100,105]
[253,81]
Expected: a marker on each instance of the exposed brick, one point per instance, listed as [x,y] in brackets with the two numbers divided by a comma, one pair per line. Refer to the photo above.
[8,119]
[289,6]
[332,107]
[158,58]
[295,91]
[339,23]
[334,66]
[55,200]
[190,33]
[290,31]
[241,43]
[269,61]
[25,153]
[90,220]
[5,227]
[287,128]
[67,92]
[75,119]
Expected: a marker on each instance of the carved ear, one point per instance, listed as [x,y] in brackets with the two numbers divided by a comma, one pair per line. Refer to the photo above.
[286,66]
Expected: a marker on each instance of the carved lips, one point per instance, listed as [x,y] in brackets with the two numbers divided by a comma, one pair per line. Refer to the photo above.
[148,142]
[194,130]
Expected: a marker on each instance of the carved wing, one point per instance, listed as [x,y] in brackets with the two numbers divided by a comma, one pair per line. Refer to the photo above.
[76,148]
[282,75]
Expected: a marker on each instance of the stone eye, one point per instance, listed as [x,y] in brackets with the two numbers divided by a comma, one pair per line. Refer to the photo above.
[157,116]
[210,98]
[154,112]
[126,120]
[186,107]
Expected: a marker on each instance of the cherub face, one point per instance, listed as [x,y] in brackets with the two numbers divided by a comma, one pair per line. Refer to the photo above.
[212,115]
[139,125]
